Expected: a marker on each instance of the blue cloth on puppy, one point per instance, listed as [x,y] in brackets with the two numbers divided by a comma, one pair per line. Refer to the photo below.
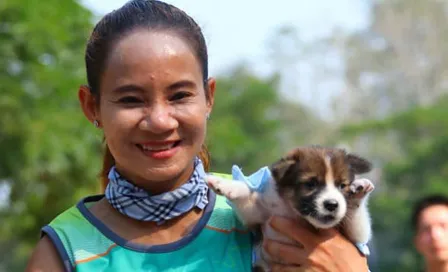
[257,181]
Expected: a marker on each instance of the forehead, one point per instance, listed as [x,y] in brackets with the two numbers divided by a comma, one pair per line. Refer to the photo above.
[149,55]
[434,215]
[322,161]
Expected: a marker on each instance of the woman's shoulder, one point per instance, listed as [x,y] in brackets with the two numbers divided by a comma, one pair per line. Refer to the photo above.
[50,252]
[69,231]
[45,257]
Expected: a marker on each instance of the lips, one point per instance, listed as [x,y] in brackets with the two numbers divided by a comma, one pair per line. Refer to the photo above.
[157,147]
[160,149]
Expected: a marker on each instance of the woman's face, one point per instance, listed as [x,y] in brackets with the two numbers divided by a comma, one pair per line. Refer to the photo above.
[153,108]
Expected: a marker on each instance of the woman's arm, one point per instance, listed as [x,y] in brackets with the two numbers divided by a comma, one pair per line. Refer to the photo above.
[45,257]
[322,251]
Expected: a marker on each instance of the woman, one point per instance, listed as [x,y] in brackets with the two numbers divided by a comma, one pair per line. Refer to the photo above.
[149,91]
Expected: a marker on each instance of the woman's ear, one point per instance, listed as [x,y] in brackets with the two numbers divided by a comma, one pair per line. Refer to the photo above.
[211,87]
[89,104]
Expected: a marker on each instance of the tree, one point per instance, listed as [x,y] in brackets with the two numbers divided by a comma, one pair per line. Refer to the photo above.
[420,168]
[242,128]
[253,124]
[392,109]
[47,150]
[399,61]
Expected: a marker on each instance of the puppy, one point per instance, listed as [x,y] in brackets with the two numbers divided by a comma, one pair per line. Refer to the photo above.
[314,183]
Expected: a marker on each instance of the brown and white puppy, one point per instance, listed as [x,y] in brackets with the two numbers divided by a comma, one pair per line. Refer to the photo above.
[314,183]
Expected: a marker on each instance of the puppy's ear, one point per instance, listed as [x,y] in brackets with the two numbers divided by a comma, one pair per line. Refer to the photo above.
[279,168]
[358,165]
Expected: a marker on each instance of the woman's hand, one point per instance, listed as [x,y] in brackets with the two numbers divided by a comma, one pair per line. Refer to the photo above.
[322,251]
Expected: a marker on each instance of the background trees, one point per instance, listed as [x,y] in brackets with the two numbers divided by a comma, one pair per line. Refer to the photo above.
[390,106]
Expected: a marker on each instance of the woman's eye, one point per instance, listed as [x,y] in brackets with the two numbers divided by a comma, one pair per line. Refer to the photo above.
[179,96]
[130,100]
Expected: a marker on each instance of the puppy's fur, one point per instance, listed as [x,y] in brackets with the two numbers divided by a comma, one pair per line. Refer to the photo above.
[315,183]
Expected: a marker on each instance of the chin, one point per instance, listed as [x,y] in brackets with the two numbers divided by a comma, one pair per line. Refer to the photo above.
[323,222]
[164,173]
[145,174]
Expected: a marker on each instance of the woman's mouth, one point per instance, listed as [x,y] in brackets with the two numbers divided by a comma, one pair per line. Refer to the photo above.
[160,150]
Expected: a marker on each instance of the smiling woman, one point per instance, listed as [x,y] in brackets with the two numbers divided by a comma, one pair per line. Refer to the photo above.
[152,108]
[149,92]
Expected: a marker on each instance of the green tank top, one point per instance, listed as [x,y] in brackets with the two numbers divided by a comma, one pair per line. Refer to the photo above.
[218,242]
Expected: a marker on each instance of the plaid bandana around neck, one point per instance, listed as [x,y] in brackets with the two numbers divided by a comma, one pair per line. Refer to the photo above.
[138,204]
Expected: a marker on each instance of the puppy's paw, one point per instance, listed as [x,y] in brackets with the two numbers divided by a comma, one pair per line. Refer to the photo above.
[213,183]
[361,188]
[229,188]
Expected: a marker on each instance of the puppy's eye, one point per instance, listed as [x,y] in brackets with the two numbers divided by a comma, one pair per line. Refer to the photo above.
[342,186]
[311,183]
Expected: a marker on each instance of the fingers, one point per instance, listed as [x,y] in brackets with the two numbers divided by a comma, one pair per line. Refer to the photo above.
[293,229]
[283,253]
[323,250]
[300,232]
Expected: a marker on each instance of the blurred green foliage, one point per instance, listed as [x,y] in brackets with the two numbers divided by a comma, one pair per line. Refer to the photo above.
[51,155]
[419,168]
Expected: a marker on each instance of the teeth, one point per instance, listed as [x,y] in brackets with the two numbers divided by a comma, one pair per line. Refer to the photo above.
[157,148]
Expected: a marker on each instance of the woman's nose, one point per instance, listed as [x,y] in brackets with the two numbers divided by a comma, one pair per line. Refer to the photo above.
[159,119]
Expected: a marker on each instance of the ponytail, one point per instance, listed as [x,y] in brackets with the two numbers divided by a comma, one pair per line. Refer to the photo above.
[108,162]
[204,155]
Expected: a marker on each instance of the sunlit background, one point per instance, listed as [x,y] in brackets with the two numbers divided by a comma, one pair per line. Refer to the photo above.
[370,76]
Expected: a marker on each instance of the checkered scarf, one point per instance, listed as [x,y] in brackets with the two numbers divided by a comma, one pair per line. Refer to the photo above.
[141,205]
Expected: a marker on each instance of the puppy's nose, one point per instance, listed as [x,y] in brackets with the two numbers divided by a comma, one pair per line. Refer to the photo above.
[331,205]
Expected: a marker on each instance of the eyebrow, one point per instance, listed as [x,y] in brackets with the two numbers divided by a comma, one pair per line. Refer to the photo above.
[182,84]
[128,89]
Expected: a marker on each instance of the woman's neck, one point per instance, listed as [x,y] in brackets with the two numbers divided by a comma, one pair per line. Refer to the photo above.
[145,233]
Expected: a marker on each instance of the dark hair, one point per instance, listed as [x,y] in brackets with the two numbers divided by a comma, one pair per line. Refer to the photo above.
[424,203]
[140,14]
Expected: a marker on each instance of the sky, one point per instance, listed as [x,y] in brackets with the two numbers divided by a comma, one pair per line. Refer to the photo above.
[238,30]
